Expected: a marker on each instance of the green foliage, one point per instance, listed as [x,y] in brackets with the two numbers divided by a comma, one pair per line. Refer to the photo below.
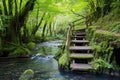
[13,16]
[64,60]
[105,14]
[48,6]
[27,75]
[58,54]
[79,6]
[24,21]
[100,64]
[116,27]
[21,52]
[105,35]
[97,48]
[100,8]
[101,41]
[31,45]
[109,22]
[116,7]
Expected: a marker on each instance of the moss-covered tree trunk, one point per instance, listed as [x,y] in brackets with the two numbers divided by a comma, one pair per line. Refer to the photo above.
[13,20]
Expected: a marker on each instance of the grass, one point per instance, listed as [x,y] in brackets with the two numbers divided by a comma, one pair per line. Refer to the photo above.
[110,22]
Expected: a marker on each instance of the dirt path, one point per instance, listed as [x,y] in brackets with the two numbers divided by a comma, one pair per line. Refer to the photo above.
[104,31]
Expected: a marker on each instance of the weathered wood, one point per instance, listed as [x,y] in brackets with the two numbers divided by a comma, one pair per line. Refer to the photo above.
[80,61]
[81,55]
[81,67]
[68,37]
[80,41]
[78,36]
[81,48]
[69,33]
[80,30]
[80,33]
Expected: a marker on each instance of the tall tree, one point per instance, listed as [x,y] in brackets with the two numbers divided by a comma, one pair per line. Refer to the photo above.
[13,18]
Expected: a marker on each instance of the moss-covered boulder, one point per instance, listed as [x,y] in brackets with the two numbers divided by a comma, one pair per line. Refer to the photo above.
[31,45]
[27,75]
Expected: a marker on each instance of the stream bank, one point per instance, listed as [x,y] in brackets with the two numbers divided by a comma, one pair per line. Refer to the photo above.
[46,68]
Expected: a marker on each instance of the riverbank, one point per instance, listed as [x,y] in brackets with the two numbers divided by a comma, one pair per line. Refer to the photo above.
[45,68]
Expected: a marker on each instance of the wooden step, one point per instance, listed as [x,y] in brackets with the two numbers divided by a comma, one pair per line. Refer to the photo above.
[81,48]
[80,30]
[81,67]
[78,36]
[80,33]
[80,41]
[81,55]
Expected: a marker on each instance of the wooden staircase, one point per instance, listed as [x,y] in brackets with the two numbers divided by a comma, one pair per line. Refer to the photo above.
[81,52]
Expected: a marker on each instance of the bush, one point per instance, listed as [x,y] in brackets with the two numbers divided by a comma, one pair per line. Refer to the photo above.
[100,64]
[102,41]
[20,52]
[64,60]
[31,45]
[116,27]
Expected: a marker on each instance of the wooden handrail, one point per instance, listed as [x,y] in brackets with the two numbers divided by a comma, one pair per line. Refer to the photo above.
[69,34]
[77,20]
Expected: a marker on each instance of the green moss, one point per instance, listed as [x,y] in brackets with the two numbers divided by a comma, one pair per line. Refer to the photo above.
[109,22]
[20,52]
[27,74]
[58,54]
[97,48]
[104,35]
[31,45]
[64,60]
[116,27]
[101,35]
[101,41]
[100,64]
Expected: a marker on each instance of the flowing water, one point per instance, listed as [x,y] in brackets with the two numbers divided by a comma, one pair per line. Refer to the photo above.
[45,67]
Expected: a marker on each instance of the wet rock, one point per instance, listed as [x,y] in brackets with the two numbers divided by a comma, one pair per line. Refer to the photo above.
[27,75]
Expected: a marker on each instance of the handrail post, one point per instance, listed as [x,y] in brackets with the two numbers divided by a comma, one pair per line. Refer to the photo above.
[69,34]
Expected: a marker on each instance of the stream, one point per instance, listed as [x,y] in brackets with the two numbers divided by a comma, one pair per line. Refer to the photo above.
[46,68]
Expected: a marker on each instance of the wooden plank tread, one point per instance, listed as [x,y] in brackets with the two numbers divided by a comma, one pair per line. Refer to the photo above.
[83,30]
[81,56]
[80,33]
[78,66]
[78,36]
[80,41]
[80,48]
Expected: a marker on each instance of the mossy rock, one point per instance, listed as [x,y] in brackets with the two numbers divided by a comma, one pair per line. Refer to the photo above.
[20,52]
[64,60]
[58,54]
[41,54]
[27,75]
[31,45]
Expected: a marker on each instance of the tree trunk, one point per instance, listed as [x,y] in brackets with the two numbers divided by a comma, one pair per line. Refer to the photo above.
[43,31]
[14,23]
